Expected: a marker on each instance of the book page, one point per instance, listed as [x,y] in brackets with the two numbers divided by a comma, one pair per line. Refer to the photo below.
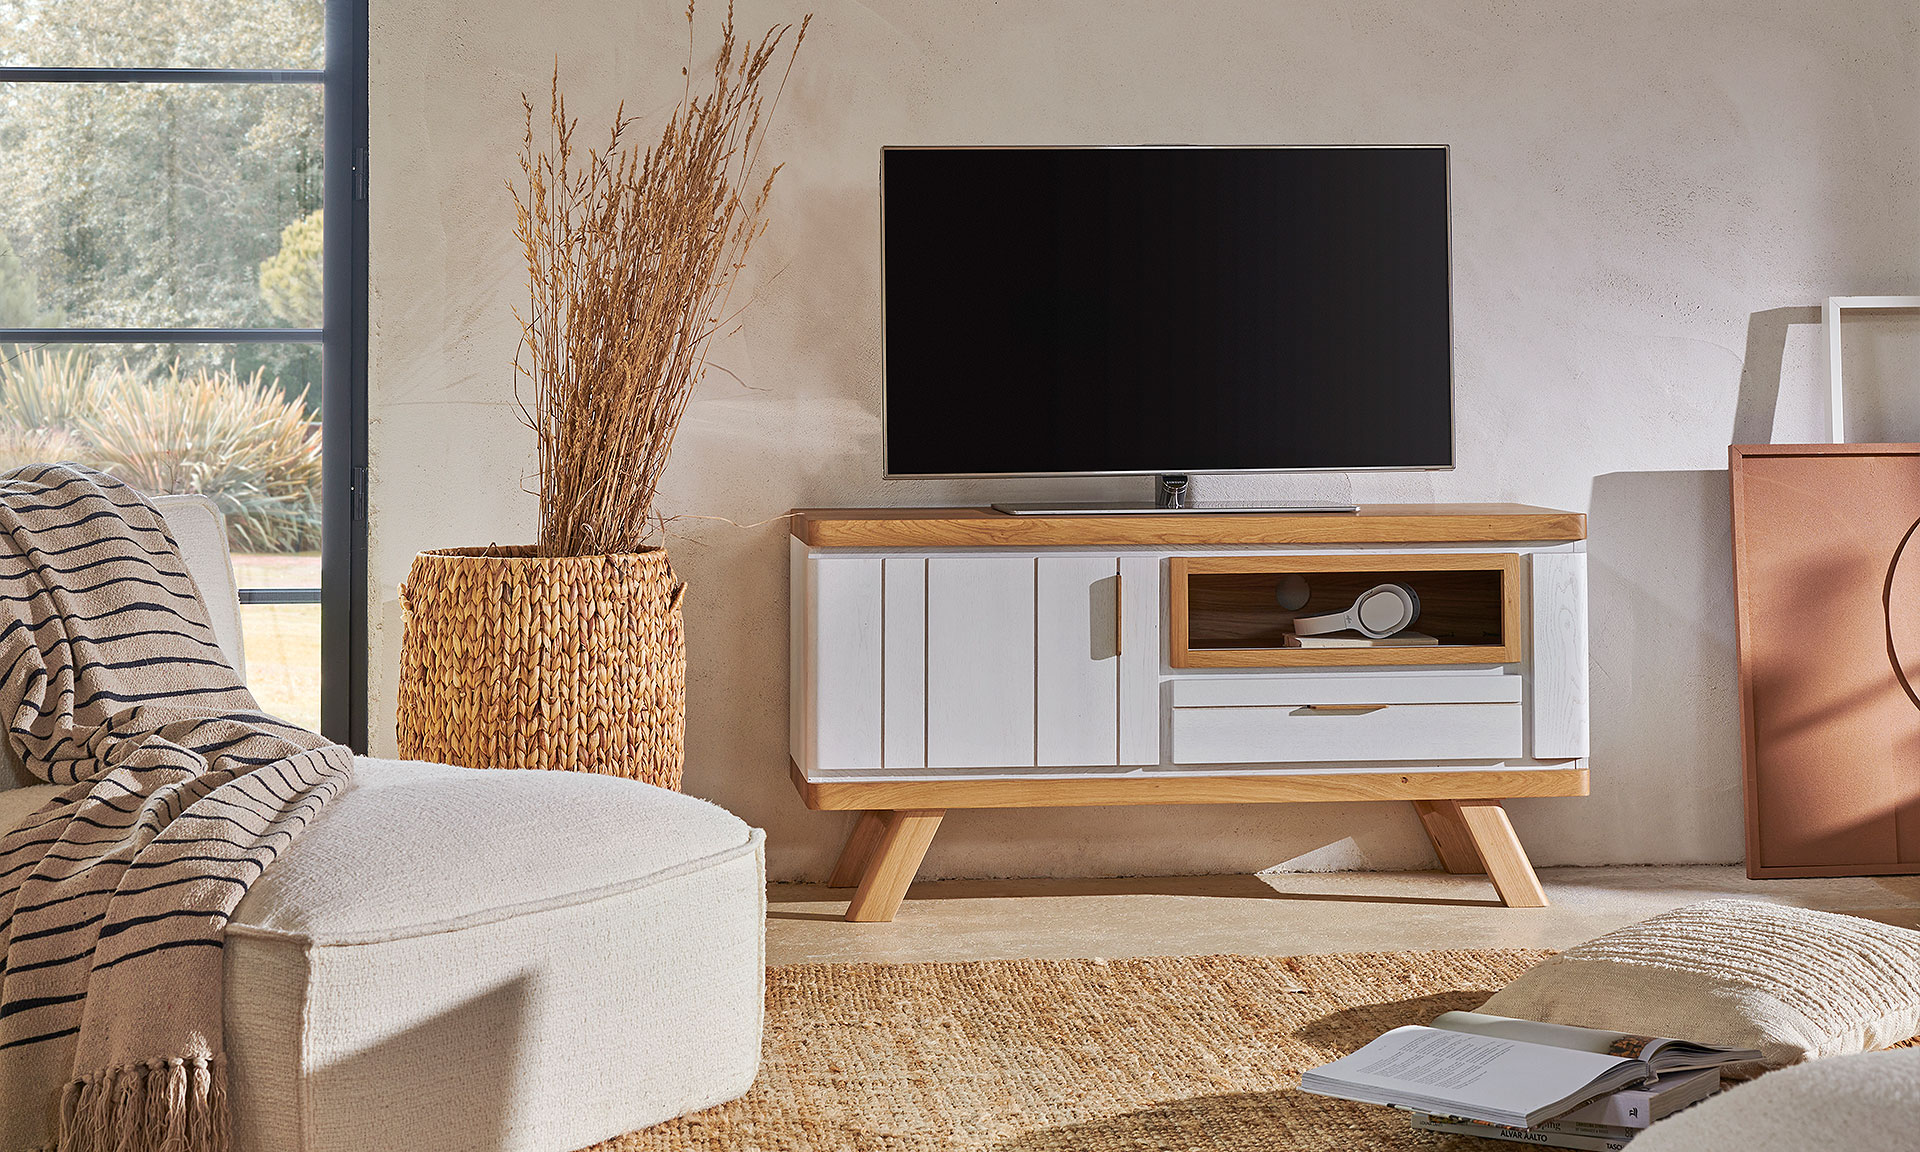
[1435,1060]
[1553,1035]
[1483,1077]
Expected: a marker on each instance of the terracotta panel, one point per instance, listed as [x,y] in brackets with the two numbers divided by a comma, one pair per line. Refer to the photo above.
[1832,736]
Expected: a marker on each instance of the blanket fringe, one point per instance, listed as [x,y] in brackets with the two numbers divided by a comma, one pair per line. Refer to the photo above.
[176,1105]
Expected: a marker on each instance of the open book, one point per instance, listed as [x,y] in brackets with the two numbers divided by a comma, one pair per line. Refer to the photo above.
[1513,1072]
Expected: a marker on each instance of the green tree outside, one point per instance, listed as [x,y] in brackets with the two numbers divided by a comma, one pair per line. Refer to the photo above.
[166,205]
[290,279]
[19,300]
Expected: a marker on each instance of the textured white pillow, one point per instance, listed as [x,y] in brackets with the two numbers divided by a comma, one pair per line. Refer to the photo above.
[1862,1103]
[1793,983]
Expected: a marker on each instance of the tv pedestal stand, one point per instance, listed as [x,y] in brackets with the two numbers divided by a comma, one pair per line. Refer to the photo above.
[1170,495]
[952,658]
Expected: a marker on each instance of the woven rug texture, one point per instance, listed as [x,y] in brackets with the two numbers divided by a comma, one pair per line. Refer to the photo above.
[1174,1053]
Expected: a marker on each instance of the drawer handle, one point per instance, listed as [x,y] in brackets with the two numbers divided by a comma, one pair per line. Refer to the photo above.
[1343,709]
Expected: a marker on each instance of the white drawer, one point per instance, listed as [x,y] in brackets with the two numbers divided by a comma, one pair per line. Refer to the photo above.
[1286,734]
[1252,691]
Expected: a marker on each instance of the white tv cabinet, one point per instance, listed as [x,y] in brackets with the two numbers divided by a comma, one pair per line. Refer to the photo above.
[961,658]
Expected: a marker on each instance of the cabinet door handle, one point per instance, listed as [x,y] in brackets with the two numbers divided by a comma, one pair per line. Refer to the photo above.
[1119,602]
[1345,709]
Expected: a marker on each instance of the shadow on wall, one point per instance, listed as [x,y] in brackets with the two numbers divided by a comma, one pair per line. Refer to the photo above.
[1665,693]
[1759,400]
[1665,689]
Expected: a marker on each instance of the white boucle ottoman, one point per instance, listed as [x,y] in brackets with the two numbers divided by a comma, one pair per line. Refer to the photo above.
[450,960]
[495,961]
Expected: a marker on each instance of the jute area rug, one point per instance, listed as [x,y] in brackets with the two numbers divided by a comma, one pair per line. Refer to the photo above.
[1189,1052]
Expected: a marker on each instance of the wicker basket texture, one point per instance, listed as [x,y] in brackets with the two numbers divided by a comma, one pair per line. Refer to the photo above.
[509,660]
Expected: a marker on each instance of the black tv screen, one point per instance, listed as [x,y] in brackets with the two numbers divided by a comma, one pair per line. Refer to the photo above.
[1115,310]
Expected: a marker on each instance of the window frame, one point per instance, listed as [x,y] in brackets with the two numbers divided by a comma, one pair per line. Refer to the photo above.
[342,338]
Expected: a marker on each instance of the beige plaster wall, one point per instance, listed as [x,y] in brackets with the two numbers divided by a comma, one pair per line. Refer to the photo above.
[1649,198]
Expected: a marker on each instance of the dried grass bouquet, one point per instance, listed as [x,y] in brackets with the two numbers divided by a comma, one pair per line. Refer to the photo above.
[633,257]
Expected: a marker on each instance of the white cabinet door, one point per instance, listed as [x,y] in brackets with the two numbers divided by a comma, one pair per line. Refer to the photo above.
[1077,660]
[980,662]
[903,723]
[1558,652]
[1140,659]
[840,669]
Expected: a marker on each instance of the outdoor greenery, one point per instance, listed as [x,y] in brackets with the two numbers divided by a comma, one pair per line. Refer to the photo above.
[290,279]
[19,302]
[238,440]
[163,33]
[166,205]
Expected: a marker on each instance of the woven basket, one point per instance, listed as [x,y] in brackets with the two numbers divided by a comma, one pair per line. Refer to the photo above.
[514,661]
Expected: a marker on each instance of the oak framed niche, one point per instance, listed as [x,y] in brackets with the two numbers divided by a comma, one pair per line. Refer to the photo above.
[1226,611]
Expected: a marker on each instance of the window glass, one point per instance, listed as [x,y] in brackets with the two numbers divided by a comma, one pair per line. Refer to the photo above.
[131,204]
[283,655]
[237,422]
[162,33]
[160,205]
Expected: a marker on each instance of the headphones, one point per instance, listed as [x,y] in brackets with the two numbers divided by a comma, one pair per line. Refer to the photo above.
[1379,612]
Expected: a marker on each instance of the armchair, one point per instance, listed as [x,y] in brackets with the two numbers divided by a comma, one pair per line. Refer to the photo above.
[532,962]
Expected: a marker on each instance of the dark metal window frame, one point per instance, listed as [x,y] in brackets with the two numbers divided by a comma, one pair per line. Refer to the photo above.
[343,341]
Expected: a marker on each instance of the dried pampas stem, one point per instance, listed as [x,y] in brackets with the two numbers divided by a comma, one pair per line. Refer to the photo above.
[633,258]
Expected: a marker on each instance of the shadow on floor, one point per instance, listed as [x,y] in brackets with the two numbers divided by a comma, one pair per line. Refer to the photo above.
[1236,887]
[1240,1122]
[1335,1033]
[827,917]
[1376,898]
[1231,1122]
[1264,1121]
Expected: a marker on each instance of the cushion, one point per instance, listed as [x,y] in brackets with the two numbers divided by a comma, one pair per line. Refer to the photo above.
[451,959]
[1867,1102]
[201,532]
[412,848]
[1793,983]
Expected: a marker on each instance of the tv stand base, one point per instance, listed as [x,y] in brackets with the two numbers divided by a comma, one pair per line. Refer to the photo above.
[1471,834]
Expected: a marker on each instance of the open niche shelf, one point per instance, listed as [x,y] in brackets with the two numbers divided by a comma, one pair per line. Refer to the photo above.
[1230,611]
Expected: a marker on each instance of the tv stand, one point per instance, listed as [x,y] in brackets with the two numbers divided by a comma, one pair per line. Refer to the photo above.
[949,658]
[1170,495]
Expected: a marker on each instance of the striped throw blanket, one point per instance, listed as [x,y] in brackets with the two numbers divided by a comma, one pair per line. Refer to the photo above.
[179,792]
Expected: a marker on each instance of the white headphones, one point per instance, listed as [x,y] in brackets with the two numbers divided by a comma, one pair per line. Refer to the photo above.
[1379,612]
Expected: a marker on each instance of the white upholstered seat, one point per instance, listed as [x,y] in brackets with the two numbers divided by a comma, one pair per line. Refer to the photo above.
[487,961]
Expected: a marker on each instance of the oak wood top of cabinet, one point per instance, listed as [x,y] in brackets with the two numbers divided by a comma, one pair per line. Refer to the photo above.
[1372,524]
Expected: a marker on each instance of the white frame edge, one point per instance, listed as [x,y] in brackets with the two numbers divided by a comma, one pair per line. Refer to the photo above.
[1830,314]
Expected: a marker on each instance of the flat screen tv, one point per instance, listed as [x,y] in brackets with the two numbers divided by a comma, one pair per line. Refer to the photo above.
[1166,310]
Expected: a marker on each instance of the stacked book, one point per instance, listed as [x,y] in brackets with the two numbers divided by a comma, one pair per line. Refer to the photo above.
[1527,1082]
[1407,638]
[1604,1125]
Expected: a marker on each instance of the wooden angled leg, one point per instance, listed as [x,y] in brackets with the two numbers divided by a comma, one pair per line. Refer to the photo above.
[903,841]
[1506,861]
[1451,840]
[853,858]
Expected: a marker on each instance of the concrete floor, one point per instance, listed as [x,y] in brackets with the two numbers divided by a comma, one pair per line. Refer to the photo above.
[1276,914]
